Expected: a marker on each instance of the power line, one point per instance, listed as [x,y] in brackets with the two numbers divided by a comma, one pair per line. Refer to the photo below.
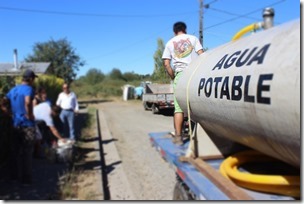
[92,14]
[123,48]
[233,14]
[208,4]
[244,15]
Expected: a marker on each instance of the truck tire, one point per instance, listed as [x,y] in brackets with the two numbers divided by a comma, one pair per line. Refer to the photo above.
[155,109]
[181,191]
[145,106]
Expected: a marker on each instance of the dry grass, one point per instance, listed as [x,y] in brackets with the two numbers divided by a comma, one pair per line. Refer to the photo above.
[80,183]
[68,185]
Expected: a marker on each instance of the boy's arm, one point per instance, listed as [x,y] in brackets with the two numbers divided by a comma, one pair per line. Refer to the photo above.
[167,64]
[29,108]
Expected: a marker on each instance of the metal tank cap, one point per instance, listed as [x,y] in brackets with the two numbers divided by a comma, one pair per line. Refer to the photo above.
[268,12]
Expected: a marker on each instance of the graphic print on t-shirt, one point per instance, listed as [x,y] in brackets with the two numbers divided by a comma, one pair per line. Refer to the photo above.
[182,48]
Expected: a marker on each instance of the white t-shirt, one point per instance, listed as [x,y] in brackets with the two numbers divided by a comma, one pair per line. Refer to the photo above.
[182,49]
[43,111]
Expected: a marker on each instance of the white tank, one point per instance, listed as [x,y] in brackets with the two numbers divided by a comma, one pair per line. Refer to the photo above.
[249,91]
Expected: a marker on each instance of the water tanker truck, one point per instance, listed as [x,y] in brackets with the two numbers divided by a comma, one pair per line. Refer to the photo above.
[244,97]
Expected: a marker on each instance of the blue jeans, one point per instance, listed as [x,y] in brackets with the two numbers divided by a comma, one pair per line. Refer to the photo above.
[67,118]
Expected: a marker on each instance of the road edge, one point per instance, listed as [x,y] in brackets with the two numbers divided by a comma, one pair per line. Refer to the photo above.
[119,186]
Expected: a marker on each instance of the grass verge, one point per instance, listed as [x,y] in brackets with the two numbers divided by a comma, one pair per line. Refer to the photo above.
[79,183]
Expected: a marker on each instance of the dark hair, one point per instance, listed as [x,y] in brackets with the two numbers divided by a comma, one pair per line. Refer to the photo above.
[40,90]
[56,109]
[27,79]
[28,75]
[179,26]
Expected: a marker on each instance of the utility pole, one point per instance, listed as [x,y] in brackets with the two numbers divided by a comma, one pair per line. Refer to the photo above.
[201,3]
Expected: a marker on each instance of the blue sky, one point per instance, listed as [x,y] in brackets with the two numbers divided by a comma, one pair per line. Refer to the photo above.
[123,33]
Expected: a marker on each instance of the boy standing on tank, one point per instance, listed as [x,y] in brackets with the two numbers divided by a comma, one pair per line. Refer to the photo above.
[180,50]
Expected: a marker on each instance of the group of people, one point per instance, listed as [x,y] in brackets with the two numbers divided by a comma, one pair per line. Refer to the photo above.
[32,113]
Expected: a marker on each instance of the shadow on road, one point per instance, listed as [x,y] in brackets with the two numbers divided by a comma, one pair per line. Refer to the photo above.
[89,165]
[164,112]
[86,140]
[92,101]
[108,141]
[167,112]
[111,167]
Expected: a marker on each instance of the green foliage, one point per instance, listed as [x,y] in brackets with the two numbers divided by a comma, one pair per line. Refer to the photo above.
[93,76]
[6,83]
[131,76]
[159,74]
[52,84]
[6,133]
[64,61]
[96,85]
[106,88]
[116,74]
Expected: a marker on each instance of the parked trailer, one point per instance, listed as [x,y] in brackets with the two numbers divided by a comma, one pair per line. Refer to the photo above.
[245,98]
[158,97]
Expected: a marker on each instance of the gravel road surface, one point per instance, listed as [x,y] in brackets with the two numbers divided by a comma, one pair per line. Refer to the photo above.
[148,176]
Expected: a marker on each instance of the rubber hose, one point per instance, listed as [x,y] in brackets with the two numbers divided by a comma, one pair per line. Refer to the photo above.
[278,184]
[246,29]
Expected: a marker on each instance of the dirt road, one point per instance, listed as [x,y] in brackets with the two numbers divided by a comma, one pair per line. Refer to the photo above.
[148,176]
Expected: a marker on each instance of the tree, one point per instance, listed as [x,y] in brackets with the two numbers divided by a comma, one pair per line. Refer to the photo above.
[160,73]
[94,76]
[131,76]
[116,74]
[6,83]
[64,61]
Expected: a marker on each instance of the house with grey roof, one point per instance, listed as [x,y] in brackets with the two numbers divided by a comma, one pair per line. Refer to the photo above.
[13,69]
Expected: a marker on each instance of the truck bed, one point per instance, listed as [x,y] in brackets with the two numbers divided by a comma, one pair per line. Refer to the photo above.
[159,88]
[158,97]
[203,185]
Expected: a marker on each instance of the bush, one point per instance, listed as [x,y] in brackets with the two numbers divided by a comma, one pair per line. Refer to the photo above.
[106,88]
[6,83]
[6,132]
[52,84]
